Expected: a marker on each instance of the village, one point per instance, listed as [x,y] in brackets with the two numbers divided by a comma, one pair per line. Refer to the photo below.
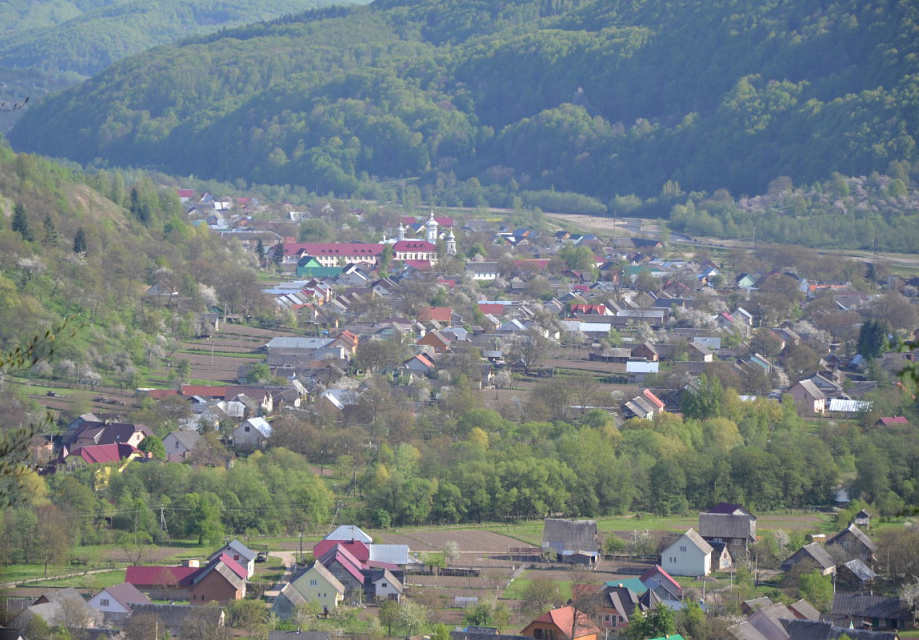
[380,319]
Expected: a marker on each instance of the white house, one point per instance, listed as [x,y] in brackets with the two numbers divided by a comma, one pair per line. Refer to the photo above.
[253,433]
[387,587]
[115,602]
[689,555]
[240,553]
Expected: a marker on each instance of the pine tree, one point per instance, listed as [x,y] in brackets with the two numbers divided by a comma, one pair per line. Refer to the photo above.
[20,223]
[51,234]
[79,241]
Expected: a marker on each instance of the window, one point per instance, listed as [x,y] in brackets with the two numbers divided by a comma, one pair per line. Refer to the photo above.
[313,583]
[683,549]
[104,602]
[247,428]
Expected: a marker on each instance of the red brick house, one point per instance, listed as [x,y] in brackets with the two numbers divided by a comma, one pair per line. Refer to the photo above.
[436,340]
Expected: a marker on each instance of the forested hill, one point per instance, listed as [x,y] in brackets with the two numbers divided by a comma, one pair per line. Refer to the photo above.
[600,97]
[86,36]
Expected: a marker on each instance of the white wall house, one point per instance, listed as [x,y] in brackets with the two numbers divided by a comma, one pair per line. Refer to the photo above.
[689,555]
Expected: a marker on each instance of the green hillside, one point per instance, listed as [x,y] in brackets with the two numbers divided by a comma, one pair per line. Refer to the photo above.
[91,40]
[602,98]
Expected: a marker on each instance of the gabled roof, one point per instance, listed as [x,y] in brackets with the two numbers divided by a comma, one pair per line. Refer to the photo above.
[813,552]
[561,535]
[657,573]
[563,619]
[238,547]
[356,548]
[730,509]
[870,606]
[343,557]
[858,533]
[188,438]
[804,609]
[104,453]
[320,569]
[822,630]
[174,616]
[126,594]
[153,576]
[697,540]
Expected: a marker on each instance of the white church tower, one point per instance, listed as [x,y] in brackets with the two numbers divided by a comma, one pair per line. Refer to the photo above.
[451,244]
[431,226]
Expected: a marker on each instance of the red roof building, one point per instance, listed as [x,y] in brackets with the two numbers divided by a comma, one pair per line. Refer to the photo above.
[440,314]
[356,548]
[103,453]
[496,310]
[560,623]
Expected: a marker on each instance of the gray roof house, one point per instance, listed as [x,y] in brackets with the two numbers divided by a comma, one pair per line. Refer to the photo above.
[855,543]
[569,538]
[875,612]
[813,555]
[731,524]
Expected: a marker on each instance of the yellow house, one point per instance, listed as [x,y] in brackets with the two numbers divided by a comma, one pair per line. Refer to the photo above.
[318,584]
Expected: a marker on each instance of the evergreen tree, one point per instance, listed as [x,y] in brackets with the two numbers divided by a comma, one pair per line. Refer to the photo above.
[79,241]
[260,252]
[872,338]
[20,223]
[51,234]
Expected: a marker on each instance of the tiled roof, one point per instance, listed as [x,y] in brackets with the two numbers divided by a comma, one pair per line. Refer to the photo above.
[152,576]
[355,547]
[104,453]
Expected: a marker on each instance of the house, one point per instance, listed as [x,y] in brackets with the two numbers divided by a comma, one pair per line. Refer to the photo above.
[863,611]
[436,340]
[162,583]
[101,454]
[286,602]
[809,399]
[349,532]
[180,443]
[482,270]
[688,555]
[766,623]
[82,433]
[57,607]
[854,543]
[721,556]
[644,406]
[318,584]
[420,364]
[645,351]
[809,557]
[824,630]
[115,602]
[662,583]
[863,519]
[891,421]
[804,610]
[221,580]
[387,587]
[240,553]
[620,603]
[854,575]
[182,620]
[569,537]
[563,623]
[357,548]
[731,524]
[697,352]
[252,434]
[347,569]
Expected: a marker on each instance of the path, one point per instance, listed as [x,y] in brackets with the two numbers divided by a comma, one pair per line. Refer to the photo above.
[289,560]
[10,585]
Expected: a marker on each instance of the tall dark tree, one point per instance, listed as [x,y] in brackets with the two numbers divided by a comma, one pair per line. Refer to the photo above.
[51,234]
[20,223]
[79,241]
[872,338]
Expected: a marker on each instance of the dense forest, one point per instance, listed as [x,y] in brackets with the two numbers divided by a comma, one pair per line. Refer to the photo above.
[85,38]
[483,101]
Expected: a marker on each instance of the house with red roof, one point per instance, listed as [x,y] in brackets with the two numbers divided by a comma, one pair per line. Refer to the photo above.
[101,454]
[221,580]
[342,564]
[662,583]
[444,315]
[360,550]
[563,623]
[496,310]
[891,421]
